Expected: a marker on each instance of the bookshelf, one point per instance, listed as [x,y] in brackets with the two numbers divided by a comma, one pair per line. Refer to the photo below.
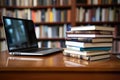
[65,13]
[98,14]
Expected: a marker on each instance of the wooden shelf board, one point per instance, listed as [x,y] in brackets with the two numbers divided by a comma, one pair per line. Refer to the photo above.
[98,5]
[51,23]
[36,7]
[97,23]
[51,39]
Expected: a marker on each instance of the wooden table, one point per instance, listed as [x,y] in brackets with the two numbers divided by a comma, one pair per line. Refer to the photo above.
[57,67]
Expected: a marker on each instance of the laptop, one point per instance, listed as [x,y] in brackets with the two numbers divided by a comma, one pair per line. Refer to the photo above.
[21,38]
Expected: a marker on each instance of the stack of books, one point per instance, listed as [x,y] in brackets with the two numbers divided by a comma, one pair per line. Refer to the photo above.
[89,42]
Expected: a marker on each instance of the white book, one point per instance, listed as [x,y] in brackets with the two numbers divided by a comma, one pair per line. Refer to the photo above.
[81,14]
[95,2]
[37,31]
[103,14]
[28,14]
[26,3]
[82,44]
[39,44]
[88,35]
[61,32]
[34,2]
[92,27]
[49,44]
[97,14]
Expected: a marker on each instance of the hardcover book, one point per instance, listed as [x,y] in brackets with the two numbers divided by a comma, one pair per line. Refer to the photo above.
[84,45]
[88,49]
[90,40]
[88,35]
[104,28]
[90,32]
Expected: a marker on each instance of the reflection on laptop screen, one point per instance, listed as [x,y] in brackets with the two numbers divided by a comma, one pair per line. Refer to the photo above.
[20,33]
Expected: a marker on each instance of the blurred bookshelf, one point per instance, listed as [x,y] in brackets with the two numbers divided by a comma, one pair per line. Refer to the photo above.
[62,14]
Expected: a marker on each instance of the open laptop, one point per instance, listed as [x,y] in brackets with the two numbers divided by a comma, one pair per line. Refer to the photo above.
[21,38]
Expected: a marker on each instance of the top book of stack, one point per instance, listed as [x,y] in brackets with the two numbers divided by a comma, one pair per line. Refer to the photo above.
[104,28]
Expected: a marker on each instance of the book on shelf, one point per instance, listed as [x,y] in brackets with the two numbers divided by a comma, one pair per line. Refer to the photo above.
[69,52]
[90,40]
[2,32]
[52,44]
[93,27]
[3,45]
[77,48]
[84,45]
[93,57]
[37,32]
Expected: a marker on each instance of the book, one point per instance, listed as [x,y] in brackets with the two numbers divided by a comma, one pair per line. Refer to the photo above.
[90,40]
[104,28]
[88,58]
[82,44]
[70,52]
[88,49]
[90,32]
[88,35]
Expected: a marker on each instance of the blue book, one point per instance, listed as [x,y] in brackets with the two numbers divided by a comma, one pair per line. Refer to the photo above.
[89,48]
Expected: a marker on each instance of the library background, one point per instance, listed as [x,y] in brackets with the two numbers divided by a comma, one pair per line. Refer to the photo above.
[53,18]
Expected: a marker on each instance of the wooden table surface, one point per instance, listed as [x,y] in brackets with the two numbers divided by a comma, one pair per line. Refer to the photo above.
[57,66]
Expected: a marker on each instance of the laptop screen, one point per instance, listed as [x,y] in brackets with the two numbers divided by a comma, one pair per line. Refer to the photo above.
[20,33]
